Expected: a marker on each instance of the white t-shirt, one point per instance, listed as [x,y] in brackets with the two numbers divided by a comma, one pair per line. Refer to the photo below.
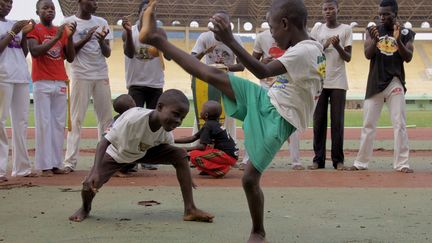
[336,77]
[131,136]
[89,63]
[295,93]
[13,64]
[267,46]
[220,54]
[143,69]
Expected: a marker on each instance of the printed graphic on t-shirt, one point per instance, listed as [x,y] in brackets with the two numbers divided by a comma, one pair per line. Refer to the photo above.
[221,55]
[144,147]
[142,53]
[275,51]
[321,61]
[84,33]
[55,51]
[281,82]
[14,43]
[387,45]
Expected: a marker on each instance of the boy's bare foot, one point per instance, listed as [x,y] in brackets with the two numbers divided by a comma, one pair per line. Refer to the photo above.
[79,215]
[406,170]
[298,167]
[256,238]
[148,23]
[198,215]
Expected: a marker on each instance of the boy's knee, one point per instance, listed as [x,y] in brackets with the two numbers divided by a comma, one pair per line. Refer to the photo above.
[179,156]
[249,181]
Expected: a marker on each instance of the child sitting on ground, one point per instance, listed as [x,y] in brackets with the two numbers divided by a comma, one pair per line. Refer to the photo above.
[143,136]
[216,151]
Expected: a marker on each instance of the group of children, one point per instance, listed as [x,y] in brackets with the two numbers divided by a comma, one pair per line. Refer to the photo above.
[269,116]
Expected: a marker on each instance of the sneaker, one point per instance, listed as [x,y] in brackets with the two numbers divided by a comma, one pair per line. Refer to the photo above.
[3,179]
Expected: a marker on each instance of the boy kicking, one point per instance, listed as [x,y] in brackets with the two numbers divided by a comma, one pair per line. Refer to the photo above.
[269,116]
[143,136]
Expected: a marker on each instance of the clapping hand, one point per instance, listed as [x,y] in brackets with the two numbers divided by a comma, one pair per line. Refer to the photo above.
[28,27]
[103,34]
[221,27]
[374,34]
[70,28]
[397,31]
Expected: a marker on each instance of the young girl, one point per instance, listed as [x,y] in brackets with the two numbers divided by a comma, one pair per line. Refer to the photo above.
[49,46]
[14,91]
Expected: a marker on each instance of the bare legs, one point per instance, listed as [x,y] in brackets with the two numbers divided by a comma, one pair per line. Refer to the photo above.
[190,64]
[255,197]
[98,177]
[191,213]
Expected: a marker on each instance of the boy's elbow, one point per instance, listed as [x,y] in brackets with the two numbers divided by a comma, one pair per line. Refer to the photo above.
[262,75]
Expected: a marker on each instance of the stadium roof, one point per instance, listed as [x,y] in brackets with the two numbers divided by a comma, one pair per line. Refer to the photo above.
[253,11]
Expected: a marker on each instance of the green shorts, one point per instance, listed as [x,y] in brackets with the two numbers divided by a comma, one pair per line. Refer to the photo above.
[265,130]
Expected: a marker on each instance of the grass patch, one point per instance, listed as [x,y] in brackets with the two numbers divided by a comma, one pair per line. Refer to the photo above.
[353,118]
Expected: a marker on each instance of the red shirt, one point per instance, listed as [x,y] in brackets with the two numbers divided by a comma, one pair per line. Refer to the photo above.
[51,65]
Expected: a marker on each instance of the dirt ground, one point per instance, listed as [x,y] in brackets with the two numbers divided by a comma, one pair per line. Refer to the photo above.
[378,205]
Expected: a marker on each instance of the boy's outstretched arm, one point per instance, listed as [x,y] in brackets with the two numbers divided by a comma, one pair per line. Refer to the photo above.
[189,139]
[189,63]
[222,29]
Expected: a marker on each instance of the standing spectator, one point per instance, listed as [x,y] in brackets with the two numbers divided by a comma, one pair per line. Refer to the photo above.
[336,39]
[89,74]
[49,46]
[387,46]
[216,52]
[14,92]
[144,67]
[265,49]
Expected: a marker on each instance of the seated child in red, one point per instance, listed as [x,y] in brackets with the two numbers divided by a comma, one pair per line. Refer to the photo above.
[217,151]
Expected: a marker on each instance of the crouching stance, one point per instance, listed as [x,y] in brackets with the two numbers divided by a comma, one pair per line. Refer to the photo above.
[143,136]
